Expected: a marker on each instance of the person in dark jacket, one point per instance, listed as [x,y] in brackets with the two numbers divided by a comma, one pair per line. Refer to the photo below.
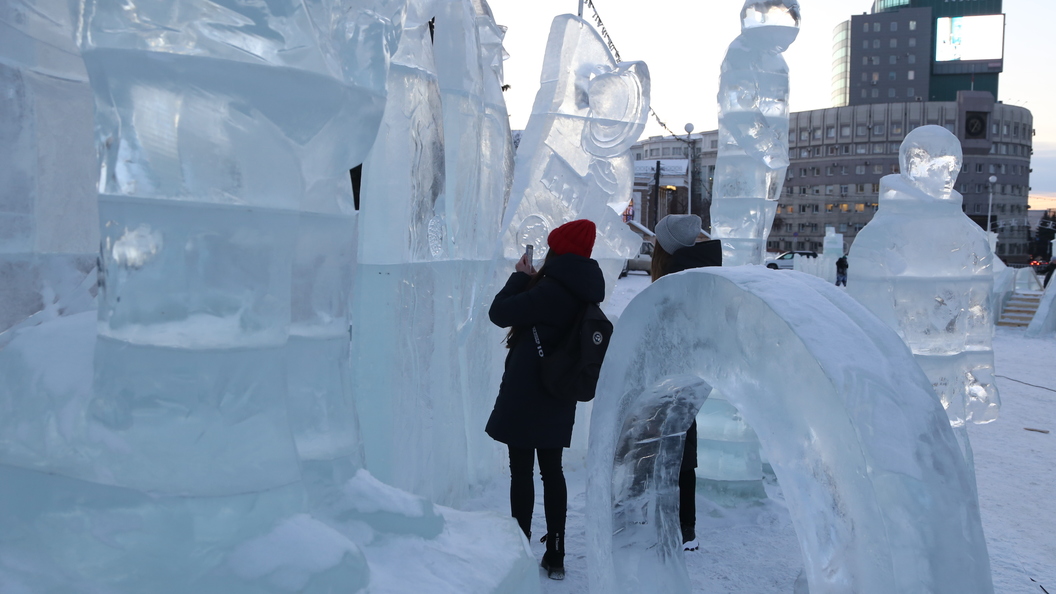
[677,249]
[841,271]
[526,418]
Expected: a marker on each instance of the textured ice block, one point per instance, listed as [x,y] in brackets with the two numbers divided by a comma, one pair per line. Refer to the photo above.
[880,496]
[753,130]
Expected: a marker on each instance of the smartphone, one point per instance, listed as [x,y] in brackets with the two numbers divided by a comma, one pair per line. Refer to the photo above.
[529,249]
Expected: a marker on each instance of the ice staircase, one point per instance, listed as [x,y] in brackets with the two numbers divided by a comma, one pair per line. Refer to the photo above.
[1020,309]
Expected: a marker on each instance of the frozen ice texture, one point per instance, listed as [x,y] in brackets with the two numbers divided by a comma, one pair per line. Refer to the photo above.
[753,130]
[879,495]
[925,269]
[824,265]
[573,161]
[435,185]
[49,234]
[1044,321]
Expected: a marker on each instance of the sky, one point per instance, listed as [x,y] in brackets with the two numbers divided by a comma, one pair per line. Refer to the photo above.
[683,42]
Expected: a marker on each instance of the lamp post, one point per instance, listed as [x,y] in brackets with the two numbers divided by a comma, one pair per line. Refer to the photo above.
[689,192]
[990,205]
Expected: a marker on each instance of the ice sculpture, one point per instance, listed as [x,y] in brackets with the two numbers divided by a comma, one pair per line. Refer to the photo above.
[824,265]
[926,270]
[879,494]
[434,187]
[49,234]
[573,160]
[1044,321]
[753,130]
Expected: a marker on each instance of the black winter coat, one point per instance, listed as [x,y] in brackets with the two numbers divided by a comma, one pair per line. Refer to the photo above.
[525,415]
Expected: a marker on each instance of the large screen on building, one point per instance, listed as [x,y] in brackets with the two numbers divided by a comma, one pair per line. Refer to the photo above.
[970,38]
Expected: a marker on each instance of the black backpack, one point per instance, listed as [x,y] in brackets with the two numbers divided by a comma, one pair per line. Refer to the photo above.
[570,372]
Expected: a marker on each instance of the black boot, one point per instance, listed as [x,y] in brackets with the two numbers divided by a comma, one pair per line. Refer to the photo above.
[554,557]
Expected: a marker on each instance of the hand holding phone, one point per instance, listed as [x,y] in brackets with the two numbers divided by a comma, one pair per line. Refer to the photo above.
[525,263]
[529,250]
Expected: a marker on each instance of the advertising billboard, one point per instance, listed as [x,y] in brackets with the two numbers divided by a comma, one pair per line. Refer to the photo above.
[970,38]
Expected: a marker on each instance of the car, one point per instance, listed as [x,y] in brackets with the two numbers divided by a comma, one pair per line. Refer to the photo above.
[642,262]
[784,261]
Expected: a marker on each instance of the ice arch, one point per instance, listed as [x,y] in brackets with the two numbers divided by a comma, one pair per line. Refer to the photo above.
[879,495]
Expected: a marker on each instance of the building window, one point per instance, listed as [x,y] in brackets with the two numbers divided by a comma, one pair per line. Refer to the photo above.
[978,167]
[878,148]
[804,153]
[894,41]
[912,25]
[859,188]
[876,77]
[911,75]
[895,146]
[896,128]
[892,75]
[714,144]
[860,207]
[909,92]
[892,59]
[864,92]
[878,169]
[875,60]
[637,156]
[845,131]
[876,44]
[817,133]
[843,190]
[865,44]
[876,27]
[911,58]
[667,152]
[802,172]
[829,190]
[804,135]
[861,149]
[891,93]
[912,42]
[865,60]
[861,130]
[846,150]
[830,132]
[876,93]
[833,150]
[859,169]
[894,26]
[876,188]
[830,170]
[865,27]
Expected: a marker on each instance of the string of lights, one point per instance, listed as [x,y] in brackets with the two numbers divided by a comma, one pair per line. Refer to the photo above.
[616,54]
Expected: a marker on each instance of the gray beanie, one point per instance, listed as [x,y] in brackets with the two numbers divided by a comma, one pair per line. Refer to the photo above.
[677,231]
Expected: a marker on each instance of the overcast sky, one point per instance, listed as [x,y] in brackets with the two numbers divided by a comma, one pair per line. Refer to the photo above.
[683,42]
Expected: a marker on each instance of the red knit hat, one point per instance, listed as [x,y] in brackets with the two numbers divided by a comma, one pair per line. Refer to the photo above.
[576,237]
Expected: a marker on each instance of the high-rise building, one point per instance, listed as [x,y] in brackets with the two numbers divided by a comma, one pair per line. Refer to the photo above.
[918,50]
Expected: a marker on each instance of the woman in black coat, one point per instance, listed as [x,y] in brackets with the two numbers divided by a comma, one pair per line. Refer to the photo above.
[677,249]
[526,418]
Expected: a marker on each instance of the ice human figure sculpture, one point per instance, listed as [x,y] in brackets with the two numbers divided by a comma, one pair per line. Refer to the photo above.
[925,269]
[427,248]
[573,161]
[879,494]
[49,235]
[753,130]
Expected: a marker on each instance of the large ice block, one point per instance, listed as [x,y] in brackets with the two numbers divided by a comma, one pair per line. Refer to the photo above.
[879,495]
[925,269]
[573,161]
[753,130]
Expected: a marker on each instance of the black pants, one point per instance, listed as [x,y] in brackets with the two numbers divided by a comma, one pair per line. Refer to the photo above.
[687,486]
[522,487]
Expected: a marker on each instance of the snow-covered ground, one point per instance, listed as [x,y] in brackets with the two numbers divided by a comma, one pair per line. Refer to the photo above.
[752,549]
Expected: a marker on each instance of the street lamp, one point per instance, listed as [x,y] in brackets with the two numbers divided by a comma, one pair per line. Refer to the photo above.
[689,193]
[990,205]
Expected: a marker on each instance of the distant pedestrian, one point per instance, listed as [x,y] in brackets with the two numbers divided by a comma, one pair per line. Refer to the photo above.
[1048,274]
[841,271]
[542,304]
[677,249]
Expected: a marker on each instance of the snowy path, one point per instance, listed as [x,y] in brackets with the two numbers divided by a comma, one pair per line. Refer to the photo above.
[753,550]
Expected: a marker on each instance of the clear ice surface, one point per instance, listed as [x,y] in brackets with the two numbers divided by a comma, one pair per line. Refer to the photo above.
[926,270]
[573,161]
[1044,321]
[880,496]
[753,130]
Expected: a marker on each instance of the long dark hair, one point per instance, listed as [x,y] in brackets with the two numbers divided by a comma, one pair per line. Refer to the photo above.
[661,260]
[514,332]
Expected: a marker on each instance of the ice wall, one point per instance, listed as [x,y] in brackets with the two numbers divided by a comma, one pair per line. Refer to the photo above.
[573,160]
[925,269]
[823,266]
[49,234]
[879,494]
[753,130]
[1044,321]
[435,185]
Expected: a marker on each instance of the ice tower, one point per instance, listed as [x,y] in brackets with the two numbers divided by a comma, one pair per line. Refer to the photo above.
[753,130]
[925,269]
